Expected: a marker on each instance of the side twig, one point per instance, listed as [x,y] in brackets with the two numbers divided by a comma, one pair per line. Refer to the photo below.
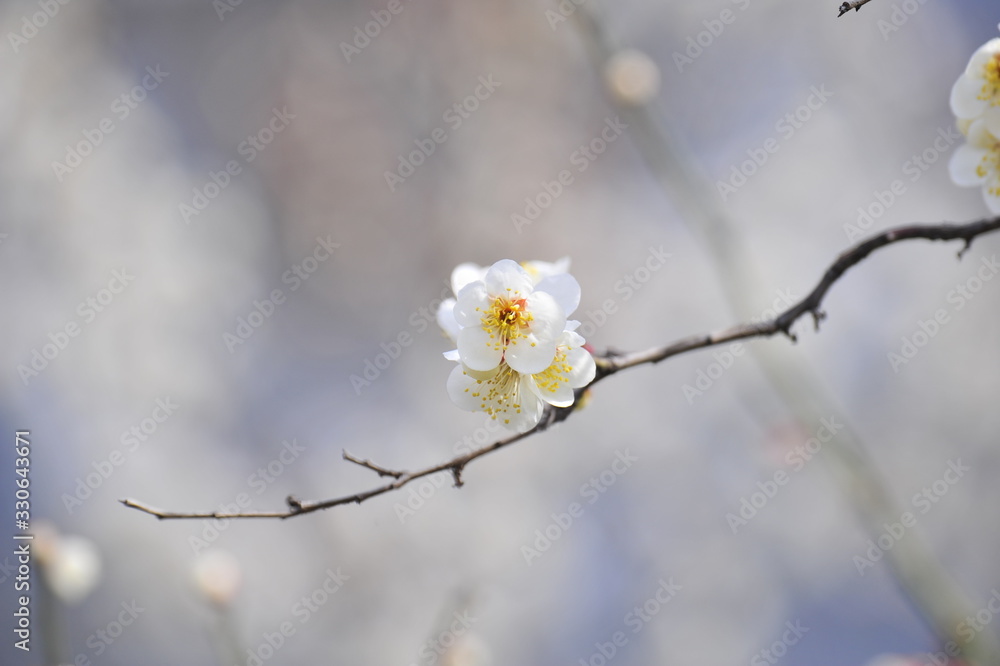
[856,5]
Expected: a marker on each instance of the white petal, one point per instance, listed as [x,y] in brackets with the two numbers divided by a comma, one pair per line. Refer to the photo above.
[584,367]
[979,135]
[446,318]
[963,164]
[530,355]
[965,102]
[981,56]
[548,319]
[991,120]
[472,302]
[460,389]
[556,393]
[992,200]
[564,288]
[572,325]
[543,269]
[569,339]
[531,413]
[452,355]
[477,349]
[507,278]
[466,274]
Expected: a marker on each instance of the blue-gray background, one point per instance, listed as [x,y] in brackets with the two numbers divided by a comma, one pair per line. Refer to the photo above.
[323,176]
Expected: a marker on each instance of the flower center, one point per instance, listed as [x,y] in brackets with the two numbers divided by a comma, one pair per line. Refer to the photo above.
[551,377]
[991,88]
[507,318]
[499,394]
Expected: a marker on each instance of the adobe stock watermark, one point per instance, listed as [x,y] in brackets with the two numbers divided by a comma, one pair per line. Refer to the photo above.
[923,502]
[248,149]
[580,159]
[223,7]
[786,127]
[434,648]
[363,36]
[454,117]
[591,491]
[564,9]
[912,169]
[794,631]
[130,441]
[706,377]
[714,27]
[294,277]
[419,321]
[927,329]
[626,288]
[966,630]
[30,25]
[105,637]
[635,620]
[86,313]
[898,17]
[121,108]
[258,481]
[302,610]
[796,459]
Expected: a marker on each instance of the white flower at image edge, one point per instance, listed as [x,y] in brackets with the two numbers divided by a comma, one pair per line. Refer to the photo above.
[518,399]
[467,273]
[976,94]
[507,318]
[977,163]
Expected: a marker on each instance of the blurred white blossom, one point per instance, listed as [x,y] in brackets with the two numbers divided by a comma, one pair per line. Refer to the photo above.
[71,564]
[218,575]
[468,650]
[632,77]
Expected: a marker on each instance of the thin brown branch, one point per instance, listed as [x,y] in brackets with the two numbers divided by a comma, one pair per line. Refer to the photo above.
[856,5]
[811,303]
[381,471]
[614,362]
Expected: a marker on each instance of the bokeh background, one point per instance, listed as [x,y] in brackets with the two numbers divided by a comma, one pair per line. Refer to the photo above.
[232,71]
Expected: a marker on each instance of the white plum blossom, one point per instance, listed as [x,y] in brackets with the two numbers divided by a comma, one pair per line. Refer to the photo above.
[467,273]
[976,93]
[518,399]
[218,575]
[506,317]
[72,564]
[977,162]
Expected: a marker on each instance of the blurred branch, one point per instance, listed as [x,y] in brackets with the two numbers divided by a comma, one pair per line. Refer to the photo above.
[612,363]
[856,5]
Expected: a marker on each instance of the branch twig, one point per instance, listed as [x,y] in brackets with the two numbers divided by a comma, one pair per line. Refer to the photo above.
[612,363]
[856,5]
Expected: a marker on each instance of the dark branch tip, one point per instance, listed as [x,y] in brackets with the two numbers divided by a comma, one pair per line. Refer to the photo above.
[965,247]
[818,316]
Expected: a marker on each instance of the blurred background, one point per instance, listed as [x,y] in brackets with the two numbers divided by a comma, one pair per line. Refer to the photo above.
[224,225]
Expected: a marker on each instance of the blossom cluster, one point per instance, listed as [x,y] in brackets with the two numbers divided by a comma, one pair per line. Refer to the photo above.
[516,348]
[975,101]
